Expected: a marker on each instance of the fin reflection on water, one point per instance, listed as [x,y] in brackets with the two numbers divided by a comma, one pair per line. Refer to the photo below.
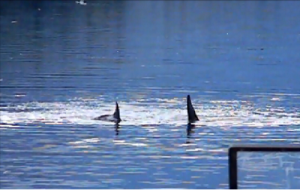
[117,127]
[189,131]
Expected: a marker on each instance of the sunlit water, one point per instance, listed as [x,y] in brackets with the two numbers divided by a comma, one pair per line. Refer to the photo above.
[63,64]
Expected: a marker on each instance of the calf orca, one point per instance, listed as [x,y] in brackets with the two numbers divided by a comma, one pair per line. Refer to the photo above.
[192,116]
[112,118]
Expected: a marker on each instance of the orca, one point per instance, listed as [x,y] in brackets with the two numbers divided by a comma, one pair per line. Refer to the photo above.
[192,116]
[115,117]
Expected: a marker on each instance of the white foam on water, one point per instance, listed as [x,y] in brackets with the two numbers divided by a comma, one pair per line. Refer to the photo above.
[145,112]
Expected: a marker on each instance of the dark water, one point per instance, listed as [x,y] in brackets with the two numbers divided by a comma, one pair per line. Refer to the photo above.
[63,63]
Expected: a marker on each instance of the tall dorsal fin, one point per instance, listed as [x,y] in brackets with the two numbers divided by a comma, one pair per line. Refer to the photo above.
[192,116]
[117,113]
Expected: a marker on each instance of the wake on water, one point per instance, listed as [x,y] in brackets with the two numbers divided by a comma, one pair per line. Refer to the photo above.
[81,111]
[148,112]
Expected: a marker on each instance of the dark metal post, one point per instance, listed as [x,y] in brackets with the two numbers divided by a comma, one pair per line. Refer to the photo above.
[233,171]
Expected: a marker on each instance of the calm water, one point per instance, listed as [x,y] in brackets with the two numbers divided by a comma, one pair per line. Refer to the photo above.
[63,64]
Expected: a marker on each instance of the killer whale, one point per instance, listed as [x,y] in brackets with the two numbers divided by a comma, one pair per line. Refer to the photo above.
[192,116]
[115,117]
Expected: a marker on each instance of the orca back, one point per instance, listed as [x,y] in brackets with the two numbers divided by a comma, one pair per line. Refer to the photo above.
[192,116]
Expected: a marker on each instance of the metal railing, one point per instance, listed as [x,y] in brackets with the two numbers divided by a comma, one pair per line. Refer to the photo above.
[233,163]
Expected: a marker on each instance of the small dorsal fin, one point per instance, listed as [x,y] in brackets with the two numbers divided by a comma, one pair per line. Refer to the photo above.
[192,116]
[117,113]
